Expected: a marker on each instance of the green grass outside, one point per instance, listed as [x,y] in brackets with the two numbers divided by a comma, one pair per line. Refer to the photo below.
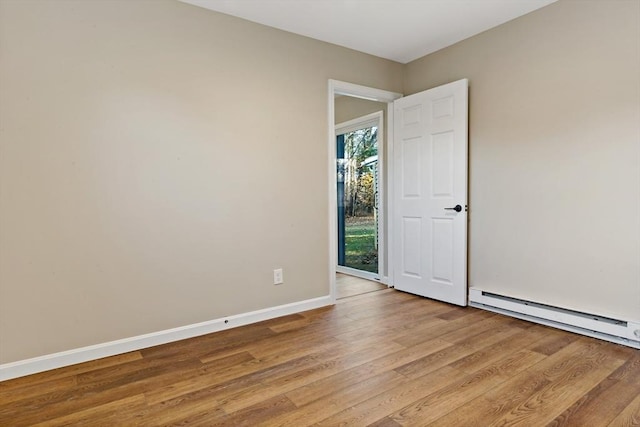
[360,251]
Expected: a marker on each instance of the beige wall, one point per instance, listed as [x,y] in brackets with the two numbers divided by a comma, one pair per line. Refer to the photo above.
[554,154]
[349,108]
[158,162]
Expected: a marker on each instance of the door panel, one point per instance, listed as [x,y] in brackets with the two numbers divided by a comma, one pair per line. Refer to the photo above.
[442,250]
[442,165]
[411,168]
[411,248]
[430,176]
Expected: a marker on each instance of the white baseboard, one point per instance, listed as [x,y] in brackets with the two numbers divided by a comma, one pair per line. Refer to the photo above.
[84,354]
[614,330]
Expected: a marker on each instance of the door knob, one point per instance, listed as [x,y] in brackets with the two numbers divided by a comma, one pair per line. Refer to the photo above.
[456,208]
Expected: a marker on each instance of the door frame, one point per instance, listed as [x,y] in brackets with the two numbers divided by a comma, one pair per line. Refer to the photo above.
[337,87]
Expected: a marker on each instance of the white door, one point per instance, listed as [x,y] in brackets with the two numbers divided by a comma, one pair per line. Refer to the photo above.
[430,193]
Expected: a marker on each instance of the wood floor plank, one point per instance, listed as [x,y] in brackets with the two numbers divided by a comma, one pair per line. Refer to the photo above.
[481,411]
[385,358]
[630,371]
[432,330]
[385,422]
[491,325]
[338,401]
[242,375]
[390,400]
[553,342]
[602,404]
[372,307]
[463,390]
[276,385]
[187,412]
[292,326]
[579,366]
[99,415]
[549,402]
[26,391]
[599,406]
[371,300]
[630,416]
[231,341]
[247,417]
[347,286]
[272,348]
[495,352]
[394,327]
[455,352]
[138,369]
[31,380]
[315,390]
[58,403]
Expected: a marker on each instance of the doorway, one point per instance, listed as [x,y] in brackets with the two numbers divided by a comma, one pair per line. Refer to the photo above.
[347,102]
[428,234]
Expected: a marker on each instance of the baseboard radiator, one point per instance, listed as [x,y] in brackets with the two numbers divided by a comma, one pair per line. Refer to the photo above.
[608,329]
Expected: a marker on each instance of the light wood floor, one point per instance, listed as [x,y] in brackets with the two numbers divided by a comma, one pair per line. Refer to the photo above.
[384,359]
[348,286]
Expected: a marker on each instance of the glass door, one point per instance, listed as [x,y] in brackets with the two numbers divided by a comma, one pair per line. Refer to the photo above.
[358,201]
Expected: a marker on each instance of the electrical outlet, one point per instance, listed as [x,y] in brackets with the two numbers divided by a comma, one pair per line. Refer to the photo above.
[278,278]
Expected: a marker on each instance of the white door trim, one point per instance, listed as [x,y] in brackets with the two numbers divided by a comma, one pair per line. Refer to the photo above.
[373,119]
[336,87]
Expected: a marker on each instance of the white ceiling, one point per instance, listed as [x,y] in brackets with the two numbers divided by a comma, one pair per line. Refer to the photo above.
[400,30]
